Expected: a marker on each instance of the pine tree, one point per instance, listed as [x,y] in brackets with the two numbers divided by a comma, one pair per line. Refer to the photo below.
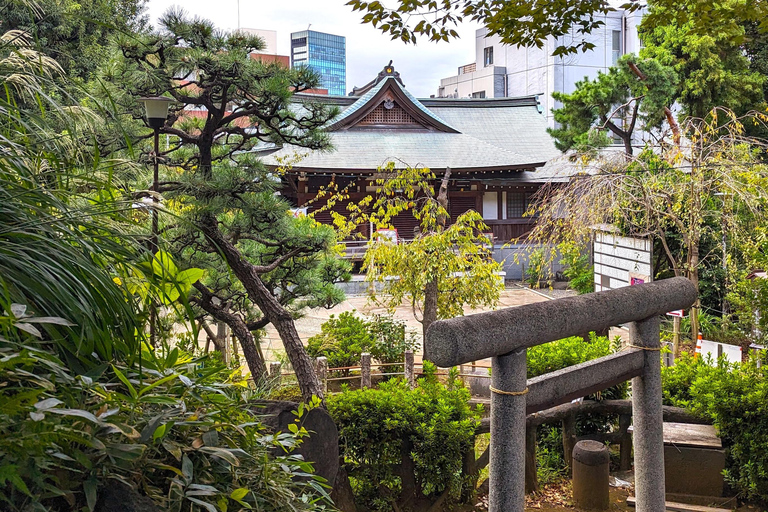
[229,217]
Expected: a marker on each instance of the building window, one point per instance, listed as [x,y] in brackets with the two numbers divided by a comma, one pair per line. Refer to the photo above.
[616,47]
[488,56]
[480,94]
[518,204]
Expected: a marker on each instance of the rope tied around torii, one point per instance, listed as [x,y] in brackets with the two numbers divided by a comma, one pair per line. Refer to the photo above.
[504,335]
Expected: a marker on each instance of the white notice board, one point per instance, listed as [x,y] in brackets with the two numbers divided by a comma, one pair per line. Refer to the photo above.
[621,261]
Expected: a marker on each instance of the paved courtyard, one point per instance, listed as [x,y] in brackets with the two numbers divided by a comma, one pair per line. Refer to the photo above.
[309,325]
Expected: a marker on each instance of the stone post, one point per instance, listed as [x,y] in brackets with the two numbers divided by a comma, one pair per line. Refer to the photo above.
[507,465]
[274,371]
[365,370]
[648,419]
[410,374]
[322,372]
[591,460]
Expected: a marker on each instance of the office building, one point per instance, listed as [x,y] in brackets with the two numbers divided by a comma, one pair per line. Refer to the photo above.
[324,53]
[268,36]
[501,70]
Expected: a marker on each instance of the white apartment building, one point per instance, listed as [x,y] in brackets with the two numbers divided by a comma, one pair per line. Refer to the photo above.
[501,70]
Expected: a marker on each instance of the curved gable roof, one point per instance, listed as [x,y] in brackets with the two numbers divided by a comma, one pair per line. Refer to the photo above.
[389,87]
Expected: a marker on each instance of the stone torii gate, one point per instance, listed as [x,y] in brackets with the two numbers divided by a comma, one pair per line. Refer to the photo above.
[505,335]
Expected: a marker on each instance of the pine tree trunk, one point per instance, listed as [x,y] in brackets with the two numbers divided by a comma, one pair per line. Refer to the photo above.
[270,307]
[253,357]
[628,145]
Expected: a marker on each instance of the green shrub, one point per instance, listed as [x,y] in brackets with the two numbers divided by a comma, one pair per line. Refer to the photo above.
[536,271]
[554,356]
[177,431]
[578,270]
[390,341]
[341,340]
[550,463]
[735,398]
[289,393]
[435,418]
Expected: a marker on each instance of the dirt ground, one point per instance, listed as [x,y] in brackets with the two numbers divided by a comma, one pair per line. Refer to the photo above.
[557,498]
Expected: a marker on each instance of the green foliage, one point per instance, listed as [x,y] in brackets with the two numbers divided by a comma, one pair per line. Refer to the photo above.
[578,270]
[735,398]
[390,340]
[64,230]
[550,462]
[342,340]
[58,259]
[537,269]
[374,423]
[613,102]
[75,33]
[713,70]
[175,429]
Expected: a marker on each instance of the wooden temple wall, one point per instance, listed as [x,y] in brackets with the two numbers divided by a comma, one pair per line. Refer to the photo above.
[473,196]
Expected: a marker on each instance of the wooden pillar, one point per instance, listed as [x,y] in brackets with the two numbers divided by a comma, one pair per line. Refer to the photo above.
[410,370]
[531,477]
[365,370]
[322,373]
[569,440]
[625,445]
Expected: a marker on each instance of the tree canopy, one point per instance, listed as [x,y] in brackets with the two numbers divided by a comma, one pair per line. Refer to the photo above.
[613,103]
[712,67]
[74,33]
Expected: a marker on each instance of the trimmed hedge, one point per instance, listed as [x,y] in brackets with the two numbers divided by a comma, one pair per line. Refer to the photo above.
[735,398]
[435,418]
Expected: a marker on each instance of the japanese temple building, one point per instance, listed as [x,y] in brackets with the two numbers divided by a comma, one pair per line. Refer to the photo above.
[495,148]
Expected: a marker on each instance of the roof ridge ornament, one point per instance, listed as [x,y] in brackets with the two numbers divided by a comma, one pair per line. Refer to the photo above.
[387,71]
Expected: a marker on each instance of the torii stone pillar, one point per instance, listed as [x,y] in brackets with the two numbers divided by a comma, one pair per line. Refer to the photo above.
[505,335]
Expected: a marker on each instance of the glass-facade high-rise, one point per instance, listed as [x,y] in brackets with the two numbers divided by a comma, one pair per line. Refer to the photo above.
[326,54]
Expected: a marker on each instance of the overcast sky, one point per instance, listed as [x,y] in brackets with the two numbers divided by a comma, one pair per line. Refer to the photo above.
[421,66]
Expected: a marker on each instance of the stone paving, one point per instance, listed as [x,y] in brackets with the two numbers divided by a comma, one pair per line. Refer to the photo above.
[309,325]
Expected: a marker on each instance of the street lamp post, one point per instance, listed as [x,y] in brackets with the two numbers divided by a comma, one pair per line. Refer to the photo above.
[156,109]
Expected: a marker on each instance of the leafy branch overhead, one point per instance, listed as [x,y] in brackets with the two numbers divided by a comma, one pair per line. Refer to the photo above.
[530,22]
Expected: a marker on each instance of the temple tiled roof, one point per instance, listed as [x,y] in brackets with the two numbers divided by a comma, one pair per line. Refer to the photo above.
[466,134]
